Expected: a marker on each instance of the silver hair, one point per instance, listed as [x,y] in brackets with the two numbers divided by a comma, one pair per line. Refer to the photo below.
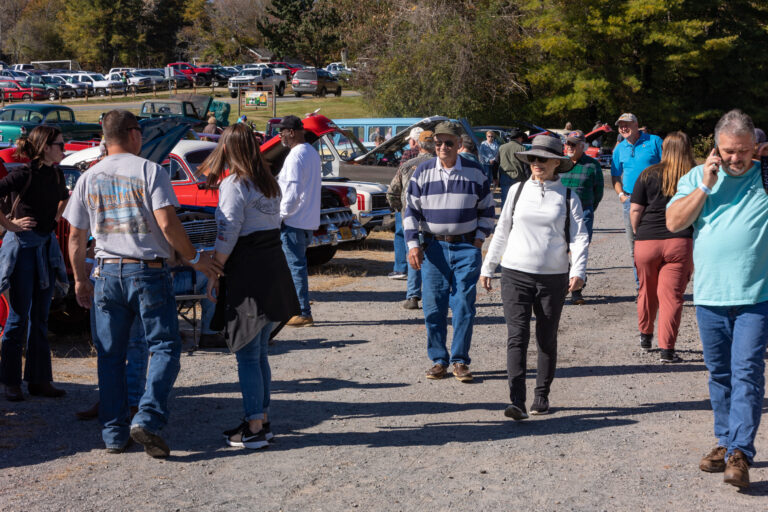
[735,122]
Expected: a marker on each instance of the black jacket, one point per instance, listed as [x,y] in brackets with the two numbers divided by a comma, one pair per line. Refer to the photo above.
[257,289]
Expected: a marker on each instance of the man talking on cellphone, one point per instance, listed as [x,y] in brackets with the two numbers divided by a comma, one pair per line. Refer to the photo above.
[725,202]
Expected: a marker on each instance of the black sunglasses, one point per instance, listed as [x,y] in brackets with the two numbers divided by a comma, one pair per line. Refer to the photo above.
[533,159]
[447,143]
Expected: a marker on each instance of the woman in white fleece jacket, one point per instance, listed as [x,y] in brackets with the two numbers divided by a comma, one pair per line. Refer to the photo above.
[535,232]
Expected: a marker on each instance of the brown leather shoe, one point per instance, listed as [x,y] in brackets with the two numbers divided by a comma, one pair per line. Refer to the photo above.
[300,321]
[714,461]
[437,372]
[14,393]
[737,470]
[45,389]
[461,372]
[89,414]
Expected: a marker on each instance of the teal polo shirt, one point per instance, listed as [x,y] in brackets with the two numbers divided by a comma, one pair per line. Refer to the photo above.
[730,239]
[629,160]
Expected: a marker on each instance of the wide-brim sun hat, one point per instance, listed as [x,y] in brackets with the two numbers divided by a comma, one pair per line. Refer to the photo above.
[547,147]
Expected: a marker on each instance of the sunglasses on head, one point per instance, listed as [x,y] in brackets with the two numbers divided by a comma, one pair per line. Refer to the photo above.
[541,159]
[447,143]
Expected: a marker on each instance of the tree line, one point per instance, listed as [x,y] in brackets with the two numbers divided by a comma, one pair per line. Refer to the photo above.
[677,64]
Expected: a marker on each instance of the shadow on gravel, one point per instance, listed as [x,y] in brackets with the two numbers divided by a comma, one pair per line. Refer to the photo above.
[756,489]
[606,371]
[610,299]
[353,296]
[285,346]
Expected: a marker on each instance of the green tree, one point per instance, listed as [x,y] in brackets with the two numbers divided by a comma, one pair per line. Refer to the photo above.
[35,35]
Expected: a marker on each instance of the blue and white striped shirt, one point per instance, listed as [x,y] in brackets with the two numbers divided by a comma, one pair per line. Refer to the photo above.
[448,201]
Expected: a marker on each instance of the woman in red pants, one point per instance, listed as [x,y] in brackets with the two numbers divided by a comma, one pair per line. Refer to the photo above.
[664,260]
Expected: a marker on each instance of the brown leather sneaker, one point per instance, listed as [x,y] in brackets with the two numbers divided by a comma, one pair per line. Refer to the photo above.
[437,372]
[737,470]
[300,321]
[714,461]
[461,372]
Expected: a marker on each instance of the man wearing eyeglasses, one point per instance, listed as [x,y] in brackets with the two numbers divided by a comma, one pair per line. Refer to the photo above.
[128,205]
[299,181]
[449,214]
[636,152]
[586,179]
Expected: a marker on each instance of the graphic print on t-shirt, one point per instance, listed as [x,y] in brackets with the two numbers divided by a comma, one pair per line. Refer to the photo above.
[117,201]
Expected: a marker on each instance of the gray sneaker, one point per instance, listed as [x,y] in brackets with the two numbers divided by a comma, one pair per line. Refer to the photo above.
[411,303]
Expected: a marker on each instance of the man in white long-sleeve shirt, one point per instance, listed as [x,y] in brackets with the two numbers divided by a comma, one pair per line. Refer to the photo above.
[300,185]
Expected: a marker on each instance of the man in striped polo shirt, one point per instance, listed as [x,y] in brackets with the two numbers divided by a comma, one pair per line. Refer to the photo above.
[449,213]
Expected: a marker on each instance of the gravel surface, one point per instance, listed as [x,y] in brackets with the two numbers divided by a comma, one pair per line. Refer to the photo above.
[359,427]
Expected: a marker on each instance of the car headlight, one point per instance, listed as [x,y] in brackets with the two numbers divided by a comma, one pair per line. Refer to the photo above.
[352,196]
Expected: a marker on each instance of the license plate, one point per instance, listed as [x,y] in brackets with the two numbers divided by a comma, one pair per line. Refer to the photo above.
[345,232]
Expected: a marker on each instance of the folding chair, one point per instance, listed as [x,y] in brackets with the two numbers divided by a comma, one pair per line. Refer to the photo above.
[186,307]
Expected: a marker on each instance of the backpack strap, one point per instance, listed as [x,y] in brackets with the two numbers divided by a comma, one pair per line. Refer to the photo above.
[514,204]
[567,217]
[12,214]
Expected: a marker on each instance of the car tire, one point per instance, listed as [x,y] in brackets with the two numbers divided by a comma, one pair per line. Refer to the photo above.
[320,255]
[199,80]
[297,94]
[26,97]
[52,96]
[101,92]
[338,92]
[322,92]
[233,95]
[281,89]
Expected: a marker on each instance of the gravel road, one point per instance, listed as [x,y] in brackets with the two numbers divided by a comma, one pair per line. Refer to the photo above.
[359,427]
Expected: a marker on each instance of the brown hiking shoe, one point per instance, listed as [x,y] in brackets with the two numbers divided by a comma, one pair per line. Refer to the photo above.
[437,372]
[461,372]
[737,470]
[714,461]
[300,321]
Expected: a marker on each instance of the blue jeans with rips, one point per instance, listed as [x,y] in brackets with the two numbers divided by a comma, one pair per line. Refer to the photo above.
[295,243]
[27,323]
[255,375]
[401,251]
[450,272]
[123,294]
[734,340]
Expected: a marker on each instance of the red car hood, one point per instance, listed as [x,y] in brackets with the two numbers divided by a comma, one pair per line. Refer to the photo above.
[315,126]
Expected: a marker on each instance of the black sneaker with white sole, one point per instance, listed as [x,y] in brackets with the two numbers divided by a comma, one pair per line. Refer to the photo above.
[645,341]
[154,445]
[264,426]
[540,406]
[669,356]
[516,411]
[248,439]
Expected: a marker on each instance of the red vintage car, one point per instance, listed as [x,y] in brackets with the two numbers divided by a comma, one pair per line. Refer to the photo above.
[15,90]
[201,76]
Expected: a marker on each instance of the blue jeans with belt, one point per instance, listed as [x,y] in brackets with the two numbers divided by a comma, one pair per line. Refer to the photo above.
[450,272]
[124,293]
[734,340]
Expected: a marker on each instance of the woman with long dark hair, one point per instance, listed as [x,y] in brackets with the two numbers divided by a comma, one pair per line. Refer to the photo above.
[31,261]
[664,260]
[257,293]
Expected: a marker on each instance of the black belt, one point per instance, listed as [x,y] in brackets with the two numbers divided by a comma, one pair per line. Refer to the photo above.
[453,239]
[155,263]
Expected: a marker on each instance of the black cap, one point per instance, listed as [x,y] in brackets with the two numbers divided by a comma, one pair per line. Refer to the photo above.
[514,133]
[290,123]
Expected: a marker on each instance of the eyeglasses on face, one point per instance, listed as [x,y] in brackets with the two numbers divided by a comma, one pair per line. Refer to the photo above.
[570,144]
[447,143]
[540,159]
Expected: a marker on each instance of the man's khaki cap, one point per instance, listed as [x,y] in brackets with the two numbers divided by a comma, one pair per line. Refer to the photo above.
[448,128]
[627,117]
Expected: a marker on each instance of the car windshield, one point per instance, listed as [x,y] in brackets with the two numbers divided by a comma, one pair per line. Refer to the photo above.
[97,76]
[195,158]
[347,145]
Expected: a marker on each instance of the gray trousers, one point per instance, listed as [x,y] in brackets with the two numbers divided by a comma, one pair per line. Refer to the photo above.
[544,295]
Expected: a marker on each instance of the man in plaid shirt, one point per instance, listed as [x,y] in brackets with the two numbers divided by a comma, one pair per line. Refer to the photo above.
[586,179]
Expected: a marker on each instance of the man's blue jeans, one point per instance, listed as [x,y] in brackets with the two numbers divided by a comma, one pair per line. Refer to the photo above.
[123,293]
[414,283]
[734,340]
[505,182]
[401,252]
[450,272]
[27,323]
[295,243]
[136,364]
[589,220]
[255,376]
[631,237]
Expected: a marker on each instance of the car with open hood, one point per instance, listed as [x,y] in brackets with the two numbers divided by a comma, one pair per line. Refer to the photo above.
[18,120]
